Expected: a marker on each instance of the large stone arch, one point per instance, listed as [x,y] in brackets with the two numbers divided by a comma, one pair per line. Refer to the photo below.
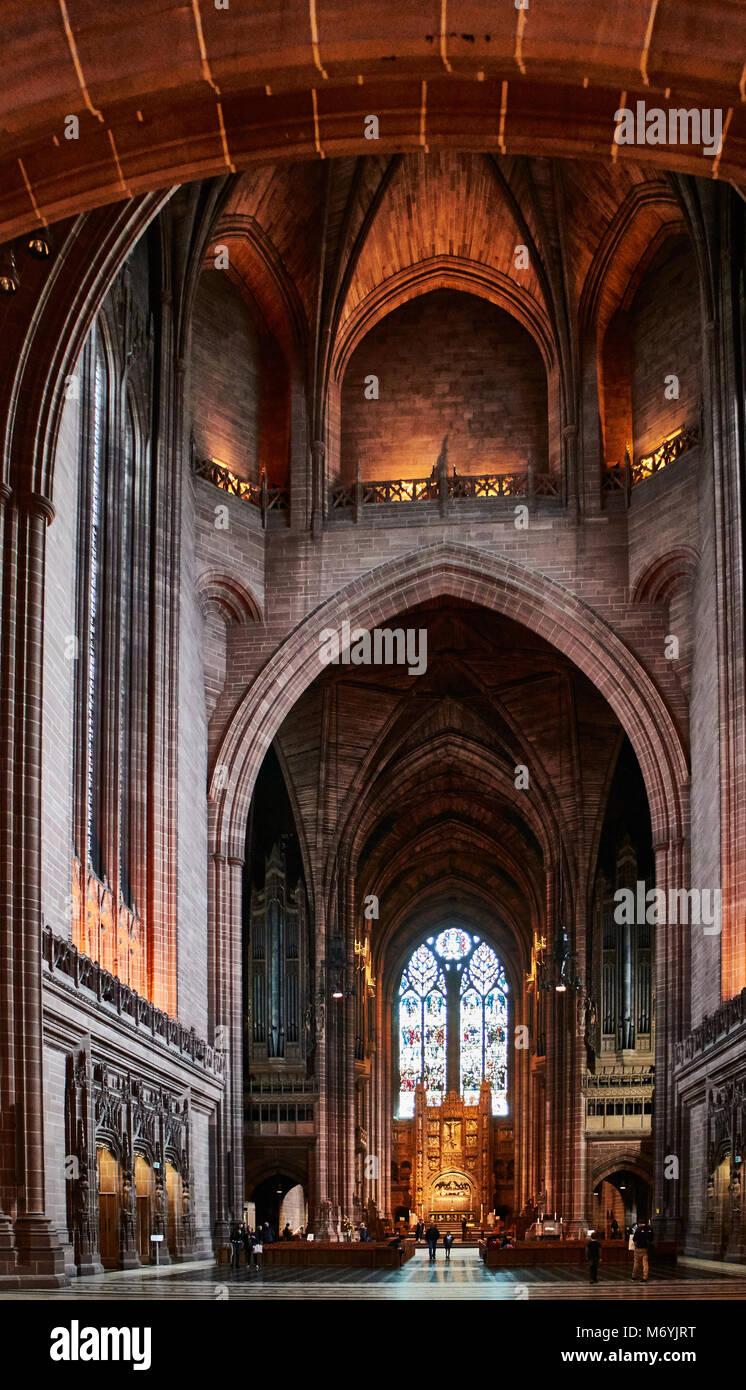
[179,92]
[496,583]
[622,1158]
[445,273]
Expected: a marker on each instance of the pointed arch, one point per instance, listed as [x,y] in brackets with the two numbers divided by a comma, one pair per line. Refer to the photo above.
[496,583]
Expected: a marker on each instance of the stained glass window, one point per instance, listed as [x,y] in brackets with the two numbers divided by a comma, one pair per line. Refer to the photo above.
[475,997]
[453,944]
[484,1028]
[422,1030]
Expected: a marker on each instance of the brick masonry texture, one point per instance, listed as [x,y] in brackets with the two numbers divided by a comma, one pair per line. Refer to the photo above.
[192,844]
[663,315]
[447,364]
[224,376]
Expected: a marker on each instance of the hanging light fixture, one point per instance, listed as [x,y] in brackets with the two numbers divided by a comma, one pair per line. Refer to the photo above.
[39,244]
[9,278]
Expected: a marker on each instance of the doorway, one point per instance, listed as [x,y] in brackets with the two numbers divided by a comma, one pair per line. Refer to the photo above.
[173,1198]
[108,1207]
[721,1183]
[145,1191]
[622,1197]
[268,1198]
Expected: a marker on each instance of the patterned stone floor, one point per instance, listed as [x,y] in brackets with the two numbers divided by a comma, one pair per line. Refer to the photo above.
[463,1278]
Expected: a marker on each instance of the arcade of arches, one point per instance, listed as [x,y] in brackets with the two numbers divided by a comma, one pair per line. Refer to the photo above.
[451,925]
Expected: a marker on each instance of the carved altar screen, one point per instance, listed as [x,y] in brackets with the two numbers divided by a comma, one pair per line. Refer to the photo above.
[453,983]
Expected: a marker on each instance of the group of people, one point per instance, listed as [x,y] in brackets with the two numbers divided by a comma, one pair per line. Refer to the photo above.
[252,1242]
[500,1242]
[432,1236]
[640,1245]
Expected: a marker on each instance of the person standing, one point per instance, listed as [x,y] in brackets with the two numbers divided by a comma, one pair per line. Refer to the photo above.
[431,1236]
[236,1245]
[419,1230]
[614,1228]
[641,1241]
[463,1229]
[448,1240]
[593,1255]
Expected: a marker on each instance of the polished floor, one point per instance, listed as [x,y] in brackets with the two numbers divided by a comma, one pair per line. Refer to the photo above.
[464,1277]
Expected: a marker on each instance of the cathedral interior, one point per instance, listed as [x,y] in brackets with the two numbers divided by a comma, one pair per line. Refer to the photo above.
[322,326]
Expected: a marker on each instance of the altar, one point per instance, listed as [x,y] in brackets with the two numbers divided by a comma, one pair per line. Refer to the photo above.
[453,1158]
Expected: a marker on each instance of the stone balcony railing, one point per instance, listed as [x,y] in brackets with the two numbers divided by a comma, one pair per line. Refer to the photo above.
[95,983]
[713,1029]
[443,487]
[623,477]
[267,499]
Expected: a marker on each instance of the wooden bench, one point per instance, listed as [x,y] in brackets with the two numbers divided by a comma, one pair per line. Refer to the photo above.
[352,1254]
[567,1252]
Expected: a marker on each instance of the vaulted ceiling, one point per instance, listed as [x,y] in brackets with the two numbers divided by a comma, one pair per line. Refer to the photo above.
[325,250]
[409,784]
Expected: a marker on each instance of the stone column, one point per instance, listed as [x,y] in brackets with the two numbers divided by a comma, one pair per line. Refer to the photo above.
[570,443]
[225,914]
[168,461]
[672,956]
[578,1148]
[7,1058]
[321,1215]
[553,1096]
[39,1251]
[318,486]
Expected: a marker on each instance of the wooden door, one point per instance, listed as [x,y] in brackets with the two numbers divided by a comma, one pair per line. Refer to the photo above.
[108,1229]
[173,1194]
[108,1208]
[144,1187]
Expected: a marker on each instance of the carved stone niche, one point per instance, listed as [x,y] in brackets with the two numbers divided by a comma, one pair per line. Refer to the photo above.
[726,1114]
[80,1165]
[132,1117]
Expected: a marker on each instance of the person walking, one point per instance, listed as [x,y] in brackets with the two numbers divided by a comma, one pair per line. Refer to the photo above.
[432,1235]
[448,1240]
[593,1255]
[641,1241]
